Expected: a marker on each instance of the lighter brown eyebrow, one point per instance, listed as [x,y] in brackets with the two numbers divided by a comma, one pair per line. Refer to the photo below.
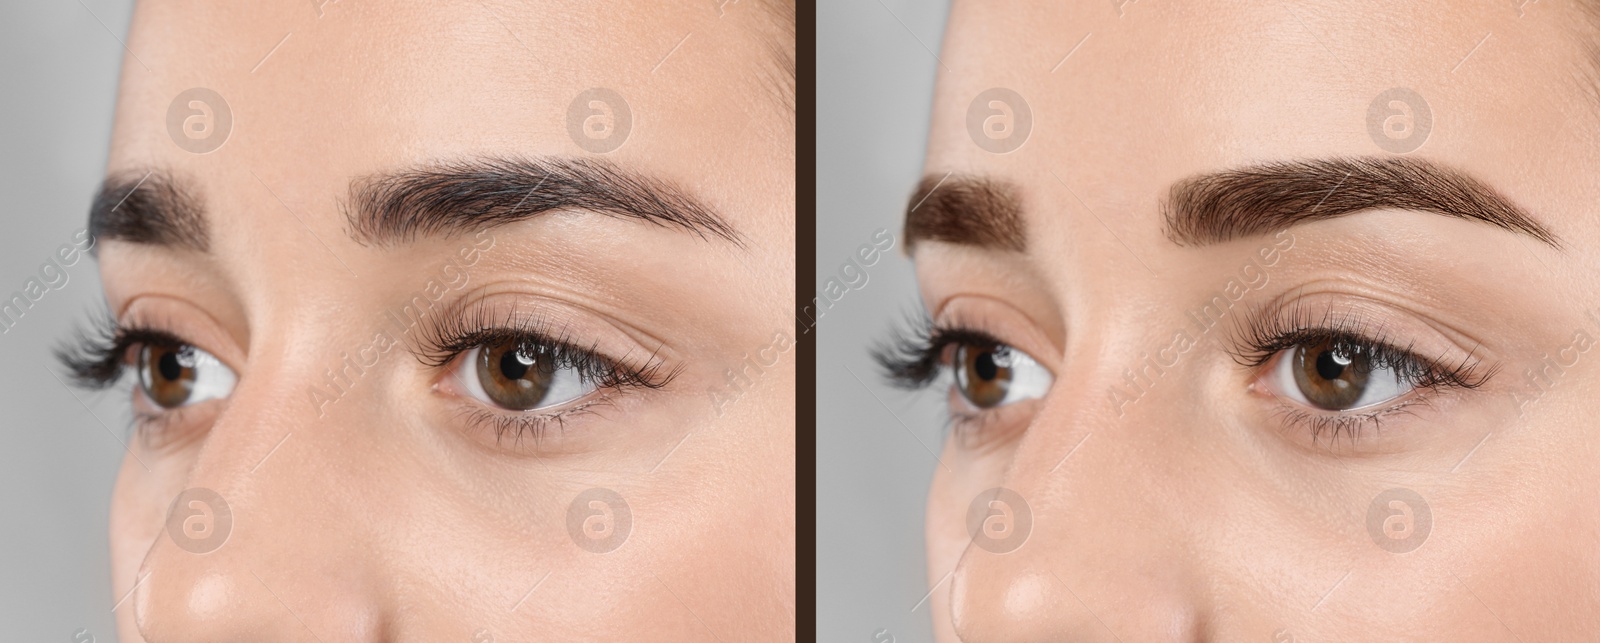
[967,210]
[1262,199]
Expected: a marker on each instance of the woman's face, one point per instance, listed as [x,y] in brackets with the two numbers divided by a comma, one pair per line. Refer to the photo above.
[1254,345]
[434,340]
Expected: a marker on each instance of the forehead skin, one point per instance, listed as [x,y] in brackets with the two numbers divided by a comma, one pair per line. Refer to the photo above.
[1168,90]
[367,87]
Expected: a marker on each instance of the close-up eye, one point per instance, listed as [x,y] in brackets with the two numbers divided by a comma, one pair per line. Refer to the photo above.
[175,375]
[1336,375]
[990,374]
[1345,366]
[523,372]
[522,375]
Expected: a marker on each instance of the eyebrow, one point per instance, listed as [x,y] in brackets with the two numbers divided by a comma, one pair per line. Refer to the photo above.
[456,197]
[154,209]
[967,210]
[1262,199]
[437,200]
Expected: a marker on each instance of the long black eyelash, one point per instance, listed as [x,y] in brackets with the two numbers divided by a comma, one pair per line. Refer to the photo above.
[1267,333]
[444,337]
[910,356]
[95,358]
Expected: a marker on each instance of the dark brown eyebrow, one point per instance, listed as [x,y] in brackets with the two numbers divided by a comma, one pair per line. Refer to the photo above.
[387,209]
[968,210]
[154,208]
[461,196]
[1262,199]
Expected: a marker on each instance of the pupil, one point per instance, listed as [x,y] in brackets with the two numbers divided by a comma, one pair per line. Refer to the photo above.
[169,366]
[1331,364]
[984,364]
[514,364]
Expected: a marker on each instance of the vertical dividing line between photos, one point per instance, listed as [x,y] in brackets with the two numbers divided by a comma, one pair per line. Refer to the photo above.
[806,340]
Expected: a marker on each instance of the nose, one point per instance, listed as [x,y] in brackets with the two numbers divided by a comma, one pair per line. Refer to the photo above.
[262,544]
[1083,541]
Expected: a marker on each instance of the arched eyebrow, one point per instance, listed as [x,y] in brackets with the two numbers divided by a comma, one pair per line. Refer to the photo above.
[1263,199]
[986,212]
[464,196]
[387,209]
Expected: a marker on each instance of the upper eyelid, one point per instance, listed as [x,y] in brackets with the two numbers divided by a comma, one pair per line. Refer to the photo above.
[651,374]
[441,350]
[1371,318]
[1469,373]
[552,319]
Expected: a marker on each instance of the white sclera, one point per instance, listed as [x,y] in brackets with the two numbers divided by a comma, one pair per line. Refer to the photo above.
[212,379]
[1383,384]
[1029,379]
[566,384]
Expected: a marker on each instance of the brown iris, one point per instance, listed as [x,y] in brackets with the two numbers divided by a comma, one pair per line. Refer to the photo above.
[1332,375]
[515,375]
[983,373]
[166,373]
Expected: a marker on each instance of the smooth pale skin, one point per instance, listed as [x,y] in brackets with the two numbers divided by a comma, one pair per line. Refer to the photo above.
[390,518]
[1199,514]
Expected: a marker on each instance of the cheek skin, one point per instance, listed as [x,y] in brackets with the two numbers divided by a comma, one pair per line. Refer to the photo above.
[135,524]
[947,538]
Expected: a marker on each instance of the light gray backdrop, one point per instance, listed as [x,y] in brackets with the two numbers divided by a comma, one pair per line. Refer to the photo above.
[58,79]
[875,73]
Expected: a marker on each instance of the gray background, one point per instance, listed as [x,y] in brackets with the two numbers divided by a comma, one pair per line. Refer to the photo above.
[58,79]
[875,73]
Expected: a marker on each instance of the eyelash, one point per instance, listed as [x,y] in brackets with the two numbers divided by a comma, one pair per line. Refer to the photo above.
[97,357]
[444,340]
[913,357]
[1267,334]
